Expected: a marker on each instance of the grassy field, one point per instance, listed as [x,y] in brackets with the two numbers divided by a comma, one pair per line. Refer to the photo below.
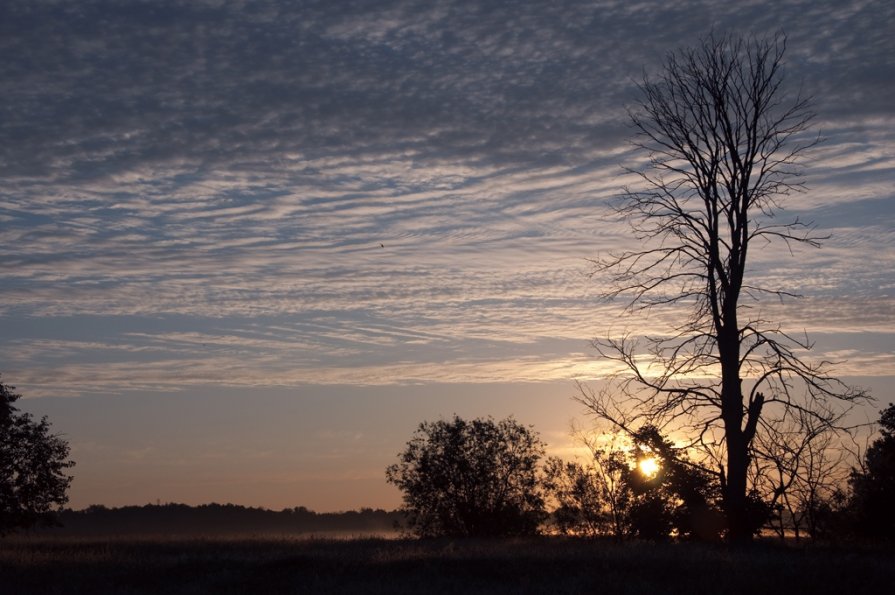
[543,565]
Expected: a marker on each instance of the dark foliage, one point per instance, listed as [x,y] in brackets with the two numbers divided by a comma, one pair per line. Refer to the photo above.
[681,498]
[613,496]
[33,464]
[471,478]
[873,488]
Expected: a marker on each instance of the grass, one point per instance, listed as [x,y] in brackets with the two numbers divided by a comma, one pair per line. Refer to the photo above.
[239,564]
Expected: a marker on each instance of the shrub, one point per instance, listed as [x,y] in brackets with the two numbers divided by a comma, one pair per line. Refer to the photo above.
[471,478]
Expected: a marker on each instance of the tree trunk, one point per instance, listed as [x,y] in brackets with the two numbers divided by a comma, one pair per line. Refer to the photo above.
[735,509]
[734,496]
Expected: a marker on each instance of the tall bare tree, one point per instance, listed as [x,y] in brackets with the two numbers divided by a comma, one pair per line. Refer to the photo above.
[723,140]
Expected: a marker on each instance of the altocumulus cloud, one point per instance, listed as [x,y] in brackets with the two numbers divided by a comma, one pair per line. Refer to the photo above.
[374,192]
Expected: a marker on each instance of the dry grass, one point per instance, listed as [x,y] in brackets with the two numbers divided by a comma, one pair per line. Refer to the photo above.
[544,565]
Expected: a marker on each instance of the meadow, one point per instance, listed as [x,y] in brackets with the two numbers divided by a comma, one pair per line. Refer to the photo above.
[301,564]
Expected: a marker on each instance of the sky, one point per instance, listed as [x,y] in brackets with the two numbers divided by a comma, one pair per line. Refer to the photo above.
[246,247]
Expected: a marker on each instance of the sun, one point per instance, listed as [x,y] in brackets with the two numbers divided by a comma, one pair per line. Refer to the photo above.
[648,466]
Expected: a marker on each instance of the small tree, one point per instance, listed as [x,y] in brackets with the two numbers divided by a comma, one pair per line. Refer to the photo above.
[800,469]
[471,478]
[591,498]
[33,461]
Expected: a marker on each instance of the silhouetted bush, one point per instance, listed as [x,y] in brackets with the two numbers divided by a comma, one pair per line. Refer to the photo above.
[471,478]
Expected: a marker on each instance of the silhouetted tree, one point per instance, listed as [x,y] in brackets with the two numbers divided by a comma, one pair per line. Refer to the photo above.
[471,478]
[33,462]
[591,498]
[873,487]
[723,141]
[800,468]
[578,506]
[612,495]
[680,498]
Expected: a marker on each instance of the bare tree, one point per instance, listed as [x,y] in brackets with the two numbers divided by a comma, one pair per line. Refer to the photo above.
[609,467]
[800,466]
[723,141]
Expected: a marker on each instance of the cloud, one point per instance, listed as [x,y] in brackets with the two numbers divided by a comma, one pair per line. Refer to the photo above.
[357,192]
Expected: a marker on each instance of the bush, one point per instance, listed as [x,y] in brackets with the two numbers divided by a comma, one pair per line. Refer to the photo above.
[471,478]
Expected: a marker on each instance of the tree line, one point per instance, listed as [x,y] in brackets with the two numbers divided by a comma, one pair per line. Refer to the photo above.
[223,519]
[487,478]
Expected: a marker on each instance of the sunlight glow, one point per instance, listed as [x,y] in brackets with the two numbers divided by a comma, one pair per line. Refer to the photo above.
[649,467]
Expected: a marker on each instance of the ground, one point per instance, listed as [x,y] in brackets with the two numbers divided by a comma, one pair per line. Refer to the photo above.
[37,564]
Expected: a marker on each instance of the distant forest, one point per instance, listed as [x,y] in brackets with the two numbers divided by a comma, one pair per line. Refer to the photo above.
[220,519]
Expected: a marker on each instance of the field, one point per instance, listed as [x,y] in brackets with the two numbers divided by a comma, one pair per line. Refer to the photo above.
[36,564]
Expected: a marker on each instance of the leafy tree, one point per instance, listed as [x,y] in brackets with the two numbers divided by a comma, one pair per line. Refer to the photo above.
[723,141]
[471,478]
[33,462]
[873,487]
[681,497]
